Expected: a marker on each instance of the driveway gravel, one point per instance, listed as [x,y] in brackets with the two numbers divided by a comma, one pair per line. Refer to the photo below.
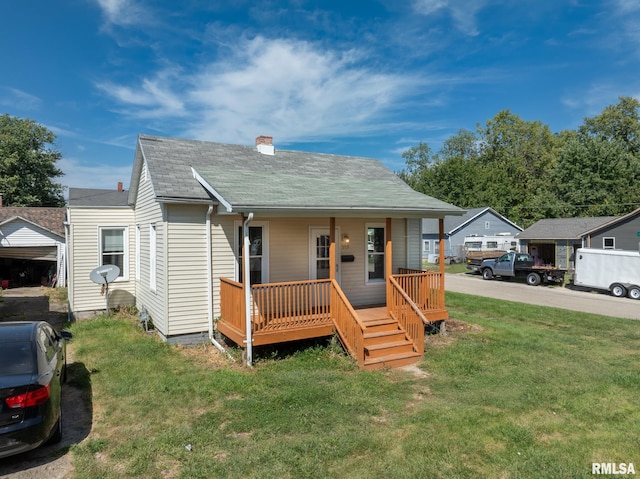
[54,461]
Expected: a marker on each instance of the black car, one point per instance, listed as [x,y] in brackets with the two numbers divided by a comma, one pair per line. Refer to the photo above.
[32,370]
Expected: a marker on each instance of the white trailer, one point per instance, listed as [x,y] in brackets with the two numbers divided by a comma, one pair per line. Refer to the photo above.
[613,270]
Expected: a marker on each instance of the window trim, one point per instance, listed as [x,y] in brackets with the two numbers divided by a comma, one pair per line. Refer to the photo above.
[426,246]
[604,242]
[153,257]
[138,234]
[124,274]
[383,253]
[265,248]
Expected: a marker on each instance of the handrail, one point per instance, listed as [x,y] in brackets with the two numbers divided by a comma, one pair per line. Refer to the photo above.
[232,303]
[407,313]
[423,288]
[348,325]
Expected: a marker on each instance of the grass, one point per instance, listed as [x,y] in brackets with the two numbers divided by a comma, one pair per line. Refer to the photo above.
[513,391]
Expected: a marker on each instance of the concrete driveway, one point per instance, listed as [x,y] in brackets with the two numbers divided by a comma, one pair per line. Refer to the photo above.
[554,296]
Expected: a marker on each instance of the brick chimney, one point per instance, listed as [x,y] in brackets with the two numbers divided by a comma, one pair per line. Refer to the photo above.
[264,144]
[120,188]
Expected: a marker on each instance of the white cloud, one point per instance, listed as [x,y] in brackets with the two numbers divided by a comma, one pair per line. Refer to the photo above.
[78,174]
[18,99]
[463,12]
[289,89]
[122,12]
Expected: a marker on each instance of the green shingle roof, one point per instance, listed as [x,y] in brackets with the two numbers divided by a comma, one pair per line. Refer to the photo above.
[243,179]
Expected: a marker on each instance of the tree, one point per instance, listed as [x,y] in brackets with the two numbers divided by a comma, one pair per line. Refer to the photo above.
[619,122]
[28,164]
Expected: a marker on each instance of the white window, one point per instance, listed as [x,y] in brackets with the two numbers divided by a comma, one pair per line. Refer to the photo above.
[608,243]
[152,257]
[113,248]
[258,252]
[375,253]
[138,252]
[487,225]
[426,246]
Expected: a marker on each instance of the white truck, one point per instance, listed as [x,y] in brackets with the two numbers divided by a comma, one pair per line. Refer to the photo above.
[613,270]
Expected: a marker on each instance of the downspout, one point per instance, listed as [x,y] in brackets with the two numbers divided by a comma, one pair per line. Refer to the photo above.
[246,285]
[210,282]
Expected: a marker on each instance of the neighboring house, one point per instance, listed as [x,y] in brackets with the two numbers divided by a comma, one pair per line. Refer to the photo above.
[322,233]
[620,233]
[553,241]
[476,221]
[32,246]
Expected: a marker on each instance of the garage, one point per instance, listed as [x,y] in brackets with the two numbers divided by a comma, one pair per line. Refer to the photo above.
[32,247]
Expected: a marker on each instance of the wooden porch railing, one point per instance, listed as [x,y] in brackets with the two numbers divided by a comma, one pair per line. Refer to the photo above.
[423,287]
[293,304]
[232,303]
[347,323]
[405,311]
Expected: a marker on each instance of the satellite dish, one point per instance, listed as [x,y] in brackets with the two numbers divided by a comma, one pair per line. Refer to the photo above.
[105,274]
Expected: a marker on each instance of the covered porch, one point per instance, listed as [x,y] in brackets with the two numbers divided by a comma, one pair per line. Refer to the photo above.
[389,333]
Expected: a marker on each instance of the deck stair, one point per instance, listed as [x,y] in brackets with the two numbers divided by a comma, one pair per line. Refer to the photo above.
[386,343]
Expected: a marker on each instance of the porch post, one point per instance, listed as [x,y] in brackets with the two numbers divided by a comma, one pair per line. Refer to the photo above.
[388,267]
[332,248]
[441,258]
[246,286]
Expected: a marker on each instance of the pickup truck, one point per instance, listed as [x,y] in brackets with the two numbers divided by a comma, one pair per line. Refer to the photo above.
[514,264]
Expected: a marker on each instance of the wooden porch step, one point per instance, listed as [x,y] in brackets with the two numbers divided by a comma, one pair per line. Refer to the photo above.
[379,322]
[383,337]
[392,360]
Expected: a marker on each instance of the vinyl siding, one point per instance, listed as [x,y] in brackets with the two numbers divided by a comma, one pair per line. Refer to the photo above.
[223,260]
[84,295]
[187,269]
[413,243]
[149,211]
[22,233]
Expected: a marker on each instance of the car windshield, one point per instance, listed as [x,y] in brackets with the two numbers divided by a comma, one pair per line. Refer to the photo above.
[16,358]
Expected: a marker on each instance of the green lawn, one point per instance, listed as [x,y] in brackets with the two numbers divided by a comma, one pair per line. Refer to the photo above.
[513,391]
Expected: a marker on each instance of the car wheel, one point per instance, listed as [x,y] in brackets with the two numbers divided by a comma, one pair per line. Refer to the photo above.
[533,279]
[618,290]
[634,292]
[487,273]
[56,437]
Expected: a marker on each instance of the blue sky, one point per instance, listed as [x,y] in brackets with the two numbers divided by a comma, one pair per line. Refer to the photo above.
[366,78]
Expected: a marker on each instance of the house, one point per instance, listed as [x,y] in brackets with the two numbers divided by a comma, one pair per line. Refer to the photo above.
[475,222]
[264,246]
[32,246]
[553,241]
[622,232]
[99,231]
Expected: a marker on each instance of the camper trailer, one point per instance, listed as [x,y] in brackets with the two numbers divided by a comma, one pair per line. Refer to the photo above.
[478,248]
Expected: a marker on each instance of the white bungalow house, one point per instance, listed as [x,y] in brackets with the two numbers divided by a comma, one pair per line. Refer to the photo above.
[333,245]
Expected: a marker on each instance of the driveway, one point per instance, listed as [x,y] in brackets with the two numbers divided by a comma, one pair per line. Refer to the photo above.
[51,462]
[554,296]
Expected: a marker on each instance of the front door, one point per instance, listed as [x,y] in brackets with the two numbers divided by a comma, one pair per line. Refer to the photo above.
[319,254]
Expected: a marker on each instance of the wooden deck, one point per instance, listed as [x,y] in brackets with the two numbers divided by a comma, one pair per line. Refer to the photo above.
[380,336]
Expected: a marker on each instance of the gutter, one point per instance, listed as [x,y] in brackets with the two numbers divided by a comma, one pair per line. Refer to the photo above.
[210,284]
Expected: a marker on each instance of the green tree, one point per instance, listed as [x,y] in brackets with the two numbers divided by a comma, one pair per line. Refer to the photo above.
[620,122]
[28,164]
[517,157]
